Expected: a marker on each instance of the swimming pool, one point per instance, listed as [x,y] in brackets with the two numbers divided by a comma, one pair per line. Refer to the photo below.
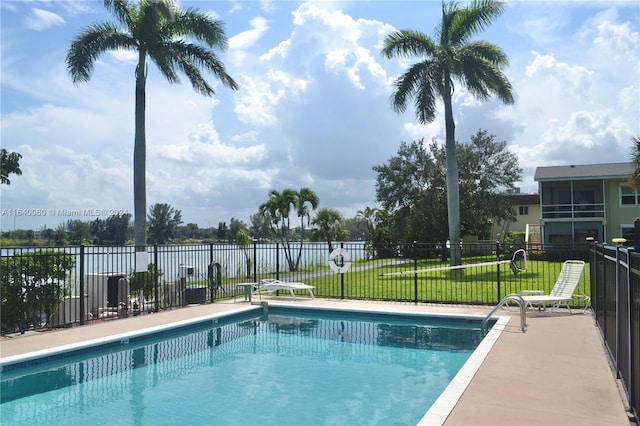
[294,366]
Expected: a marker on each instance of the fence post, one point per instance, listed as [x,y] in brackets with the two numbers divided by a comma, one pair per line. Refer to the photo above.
[255,260]
[277,260]
[498,269]
[156,307]
[617,319]
[636,233]
[210,270]
[415,274]
[82,306]
[342,277]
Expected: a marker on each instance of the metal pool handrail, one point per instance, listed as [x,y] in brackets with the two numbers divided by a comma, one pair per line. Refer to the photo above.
[508,298]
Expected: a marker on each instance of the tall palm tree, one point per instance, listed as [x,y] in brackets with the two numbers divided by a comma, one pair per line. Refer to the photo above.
[476,65]
[159,31]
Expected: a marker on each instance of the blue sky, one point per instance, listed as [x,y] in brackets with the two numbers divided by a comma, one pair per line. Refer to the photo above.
[312,110]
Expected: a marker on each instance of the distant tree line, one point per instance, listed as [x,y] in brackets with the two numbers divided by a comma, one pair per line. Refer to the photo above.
[410,189]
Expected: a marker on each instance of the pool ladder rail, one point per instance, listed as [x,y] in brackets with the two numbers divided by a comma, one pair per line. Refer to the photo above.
[508,298]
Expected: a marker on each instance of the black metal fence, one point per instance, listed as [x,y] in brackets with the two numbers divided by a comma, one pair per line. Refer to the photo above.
[42,287]
[615,287]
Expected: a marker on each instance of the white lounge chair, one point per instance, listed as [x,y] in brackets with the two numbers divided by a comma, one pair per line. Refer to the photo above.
[563,291]
[271,285]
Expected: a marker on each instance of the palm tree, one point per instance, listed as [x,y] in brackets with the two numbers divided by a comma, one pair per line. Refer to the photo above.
[278,209]
[634,181]
[368,217]
[477,65]
[330,226]
[158,30]
[242,240]
[303,197]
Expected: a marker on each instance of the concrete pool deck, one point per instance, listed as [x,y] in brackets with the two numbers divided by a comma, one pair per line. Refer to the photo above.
[557,373]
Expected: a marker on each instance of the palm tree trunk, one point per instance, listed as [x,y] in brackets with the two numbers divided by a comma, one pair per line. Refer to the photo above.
[453,194]
[139,162]
[297,265]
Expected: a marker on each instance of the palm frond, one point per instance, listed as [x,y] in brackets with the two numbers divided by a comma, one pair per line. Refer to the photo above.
[479,69]
[165,61]
[190,58]
[122,10]
[472,19]
[190,23]
[90,43]
[407,43]
[420,81]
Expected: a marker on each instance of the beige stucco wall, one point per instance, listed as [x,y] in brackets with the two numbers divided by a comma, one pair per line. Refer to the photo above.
[617,214]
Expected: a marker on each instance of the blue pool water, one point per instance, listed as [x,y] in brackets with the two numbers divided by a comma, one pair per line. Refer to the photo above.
[289,368]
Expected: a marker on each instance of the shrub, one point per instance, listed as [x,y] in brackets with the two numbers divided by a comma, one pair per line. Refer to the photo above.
[32,285]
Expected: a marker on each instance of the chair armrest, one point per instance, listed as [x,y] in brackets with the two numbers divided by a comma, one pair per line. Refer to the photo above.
[531,292]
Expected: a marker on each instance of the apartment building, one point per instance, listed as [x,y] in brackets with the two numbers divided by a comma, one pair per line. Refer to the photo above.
[591,200]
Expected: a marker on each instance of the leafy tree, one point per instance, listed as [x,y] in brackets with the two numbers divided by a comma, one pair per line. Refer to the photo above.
[163,223]
[191,231]
[450,55]
[61,238]
[221,234]
[236,225]
[20,235]
[118,228]
[242,239]
[634,181]
[412,184]
[380,238]
[330,227]
[260,226]
[159,31]
[77,230]
[32,284]
[278,210]
[9,164]
[356,229]
[48,234]
[111,231]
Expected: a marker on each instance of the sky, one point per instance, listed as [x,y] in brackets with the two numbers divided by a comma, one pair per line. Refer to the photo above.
[313,109]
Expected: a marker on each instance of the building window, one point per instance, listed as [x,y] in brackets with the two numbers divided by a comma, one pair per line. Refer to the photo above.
[523,210]
[629,196]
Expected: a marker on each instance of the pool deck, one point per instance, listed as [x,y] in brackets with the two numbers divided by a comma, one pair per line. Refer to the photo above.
[557,373]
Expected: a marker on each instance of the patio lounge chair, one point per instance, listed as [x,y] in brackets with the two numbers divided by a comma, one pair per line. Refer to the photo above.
[271,285]
[563,291]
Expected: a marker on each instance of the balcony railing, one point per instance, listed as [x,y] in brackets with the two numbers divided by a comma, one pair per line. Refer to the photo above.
[572,211]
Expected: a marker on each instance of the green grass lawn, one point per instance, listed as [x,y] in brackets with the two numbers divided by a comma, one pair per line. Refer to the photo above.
[477,284]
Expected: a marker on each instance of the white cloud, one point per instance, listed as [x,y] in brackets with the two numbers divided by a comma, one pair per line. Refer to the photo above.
[561,76]
[248,38]
[41,19]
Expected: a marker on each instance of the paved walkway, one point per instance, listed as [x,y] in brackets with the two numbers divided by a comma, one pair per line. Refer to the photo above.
[556,373]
